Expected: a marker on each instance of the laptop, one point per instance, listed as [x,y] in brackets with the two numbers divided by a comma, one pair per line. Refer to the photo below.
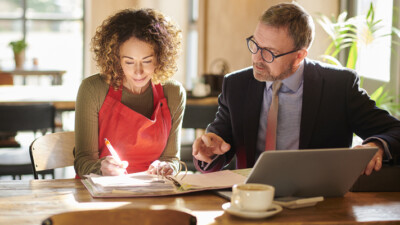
[309,173]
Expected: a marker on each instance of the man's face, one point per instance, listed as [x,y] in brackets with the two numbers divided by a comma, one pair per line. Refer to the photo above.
[278,42]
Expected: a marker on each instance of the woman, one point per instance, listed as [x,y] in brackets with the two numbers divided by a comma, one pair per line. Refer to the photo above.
[132,102]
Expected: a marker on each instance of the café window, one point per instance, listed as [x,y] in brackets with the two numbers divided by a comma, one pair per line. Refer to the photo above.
[192,44]
[53,30]
[374,52]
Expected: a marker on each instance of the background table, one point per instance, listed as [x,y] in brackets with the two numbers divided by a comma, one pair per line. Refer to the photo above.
[62,97]
[29,202]
[6,73]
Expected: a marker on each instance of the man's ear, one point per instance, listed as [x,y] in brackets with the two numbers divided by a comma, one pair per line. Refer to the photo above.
[300,55]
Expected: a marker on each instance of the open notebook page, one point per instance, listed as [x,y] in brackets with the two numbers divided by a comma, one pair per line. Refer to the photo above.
[220,179]
[142,184]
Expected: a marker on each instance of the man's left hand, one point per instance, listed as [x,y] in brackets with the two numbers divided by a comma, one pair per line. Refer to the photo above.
[376,161]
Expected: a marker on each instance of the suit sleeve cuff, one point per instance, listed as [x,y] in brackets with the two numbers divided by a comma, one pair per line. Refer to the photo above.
[388,155]
[205,166]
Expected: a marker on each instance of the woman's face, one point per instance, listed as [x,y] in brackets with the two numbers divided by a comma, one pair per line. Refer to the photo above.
[138,62]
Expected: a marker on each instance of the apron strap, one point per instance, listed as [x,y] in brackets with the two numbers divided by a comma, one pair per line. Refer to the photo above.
[115,94]
[158,94]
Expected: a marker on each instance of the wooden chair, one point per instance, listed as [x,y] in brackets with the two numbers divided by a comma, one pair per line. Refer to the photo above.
[198,117]
[195,117]
[27,117]
[124,216]
[24,117]
[386,179]
[52,151]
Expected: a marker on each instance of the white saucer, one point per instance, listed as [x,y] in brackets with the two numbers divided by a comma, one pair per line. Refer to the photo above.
[273,209]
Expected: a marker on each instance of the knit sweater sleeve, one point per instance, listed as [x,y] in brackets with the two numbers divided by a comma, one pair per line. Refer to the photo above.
[90,98]
[176,98]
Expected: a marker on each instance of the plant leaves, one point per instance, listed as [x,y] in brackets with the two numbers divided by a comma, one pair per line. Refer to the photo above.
[332,60]
[352,58]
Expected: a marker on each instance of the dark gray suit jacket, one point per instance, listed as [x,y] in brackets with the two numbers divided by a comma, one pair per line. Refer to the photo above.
[334,107]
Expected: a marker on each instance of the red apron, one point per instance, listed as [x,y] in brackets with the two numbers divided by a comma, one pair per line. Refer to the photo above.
[136,139]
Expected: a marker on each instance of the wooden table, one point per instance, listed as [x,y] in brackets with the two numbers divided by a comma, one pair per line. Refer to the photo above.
[62,97]
[202,101]
[29,202]
[33,71]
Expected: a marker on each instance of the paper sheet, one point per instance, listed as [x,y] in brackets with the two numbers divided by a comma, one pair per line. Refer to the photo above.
[224,178]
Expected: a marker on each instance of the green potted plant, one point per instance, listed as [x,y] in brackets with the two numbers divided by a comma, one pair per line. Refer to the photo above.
[18,48]
[345,34]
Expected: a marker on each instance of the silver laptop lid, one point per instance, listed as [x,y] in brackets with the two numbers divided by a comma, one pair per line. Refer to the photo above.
[309,173]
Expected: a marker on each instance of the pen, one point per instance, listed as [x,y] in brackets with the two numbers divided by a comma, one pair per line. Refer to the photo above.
[112,150]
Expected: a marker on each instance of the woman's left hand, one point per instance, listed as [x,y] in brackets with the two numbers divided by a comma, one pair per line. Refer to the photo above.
[163,168]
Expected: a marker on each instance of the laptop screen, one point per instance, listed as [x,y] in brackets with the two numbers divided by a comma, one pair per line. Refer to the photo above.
[309,173]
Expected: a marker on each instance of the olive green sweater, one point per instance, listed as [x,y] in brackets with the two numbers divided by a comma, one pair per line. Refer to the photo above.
[91,96]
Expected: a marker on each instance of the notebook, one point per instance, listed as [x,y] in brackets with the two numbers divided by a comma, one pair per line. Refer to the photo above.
[144,185]
[309,173]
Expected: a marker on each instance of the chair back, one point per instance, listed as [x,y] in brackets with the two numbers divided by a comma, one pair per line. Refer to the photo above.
[125,216]
[52,151]
[27,117]
[22,117]
[196,116]
[199,116]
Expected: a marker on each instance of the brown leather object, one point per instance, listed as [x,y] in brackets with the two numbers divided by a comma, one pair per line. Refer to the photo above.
[123,216]
[6,79]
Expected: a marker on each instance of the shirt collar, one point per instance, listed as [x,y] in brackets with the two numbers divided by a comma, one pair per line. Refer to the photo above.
[292,82]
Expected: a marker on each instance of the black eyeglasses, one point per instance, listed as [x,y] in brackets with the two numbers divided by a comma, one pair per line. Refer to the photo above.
[266,54]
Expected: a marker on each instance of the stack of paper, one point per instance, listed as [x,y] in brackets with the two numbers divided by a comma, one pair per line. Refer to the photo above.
[143,184]
[136,182]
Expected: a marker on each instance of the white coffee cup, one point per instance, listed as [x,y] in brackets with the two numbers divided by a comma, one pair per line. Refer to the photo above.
[252,197]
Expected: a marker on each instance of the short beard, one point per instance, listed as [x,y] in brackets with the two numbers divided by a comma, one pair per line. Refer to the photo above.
[269,77]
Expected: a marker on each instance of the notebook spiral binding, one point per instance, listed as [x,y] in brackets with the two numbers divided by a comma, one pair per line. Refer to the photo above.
[181,164]
[173,179]
[176,168]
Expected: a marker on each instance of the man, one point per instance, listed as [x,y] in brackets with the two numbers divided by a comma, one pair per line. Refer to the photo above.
[320,106]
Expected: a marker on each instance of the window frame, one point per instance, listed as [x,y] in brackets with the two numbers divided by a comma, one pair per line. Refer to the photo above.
[24,19]
[369,84]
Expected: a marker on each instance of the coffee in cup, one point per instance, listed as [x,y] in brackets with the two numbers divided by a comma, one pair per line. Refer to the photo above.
[252,197]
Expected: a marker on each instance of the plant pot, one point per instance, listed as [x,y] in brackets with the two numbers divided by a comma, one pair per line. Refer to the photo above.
[19,59]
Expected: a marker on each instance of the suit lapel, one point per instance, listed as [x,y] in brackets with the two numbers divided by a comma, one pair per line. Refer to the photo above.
[312,93]
[252,116]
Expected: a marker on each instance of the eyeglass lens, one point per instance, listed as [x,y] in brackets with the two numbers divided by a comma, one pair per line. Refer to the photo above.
[253,47]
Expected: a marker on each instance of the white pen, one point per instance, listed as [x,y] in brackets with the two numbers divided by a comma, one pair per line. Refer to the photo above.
[113,153]
[112,150]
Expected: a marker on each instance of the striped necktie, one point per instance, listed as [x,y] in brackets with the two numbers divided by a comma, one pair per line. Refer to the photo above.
[272,119]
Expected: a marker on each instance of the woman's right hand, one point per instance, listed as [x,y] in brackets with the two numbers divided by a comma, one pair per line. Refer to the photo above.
[111,167]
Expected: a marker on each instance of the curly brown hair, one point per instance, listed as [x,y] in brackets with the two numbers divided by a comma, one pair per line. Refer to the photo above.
[147,25]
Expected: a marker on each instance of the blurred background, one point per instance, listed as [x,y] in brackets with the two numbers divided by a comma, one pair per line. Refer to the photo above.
[58,34]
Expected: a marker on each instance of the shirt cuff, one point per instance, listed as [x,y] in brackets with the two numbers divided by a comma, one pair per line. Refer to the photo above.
[387,156]
[205,165]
